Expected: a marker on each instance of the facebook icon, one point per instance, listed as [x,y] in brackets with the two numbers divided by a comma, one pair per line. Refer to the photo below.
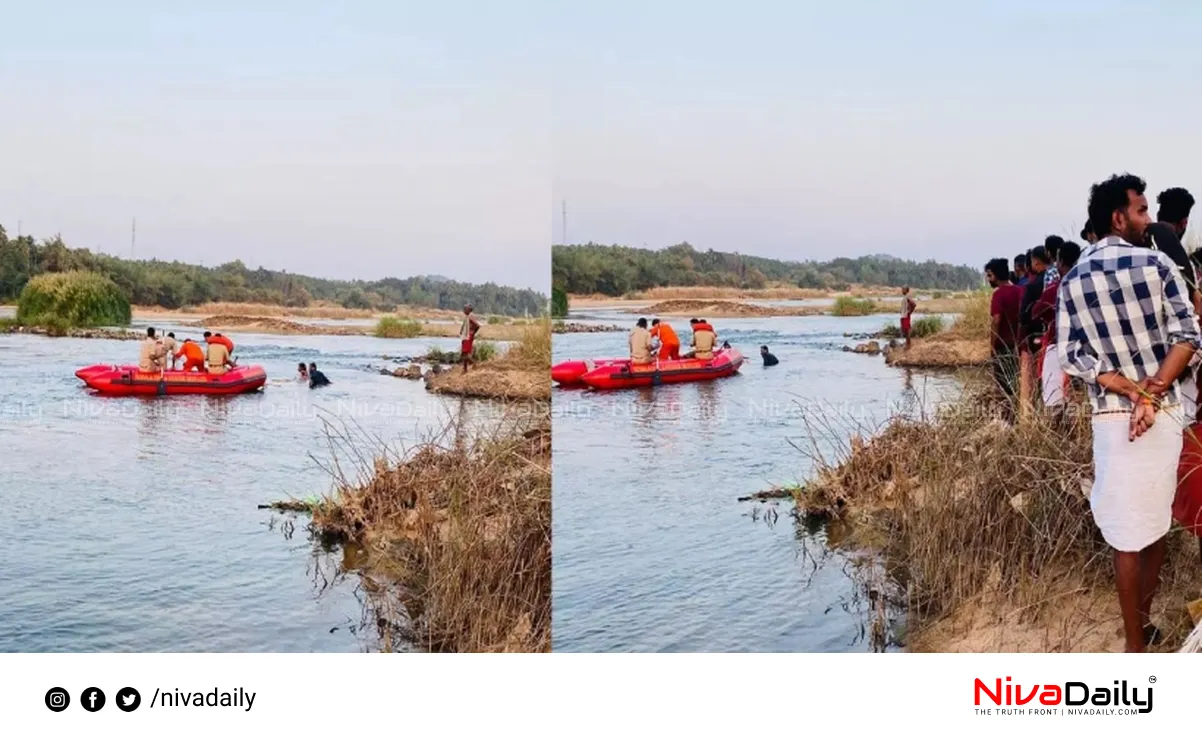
[92,699]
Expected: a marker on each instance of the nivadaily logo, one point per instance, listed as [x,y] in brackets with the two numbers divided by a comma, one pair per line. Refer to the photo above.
[1072,698]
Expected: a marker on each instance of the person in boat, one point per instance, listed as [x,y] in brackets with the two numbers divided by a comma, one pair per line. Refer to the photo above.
[467,336]
[669,343]
[169,350]
[218,357]
[302,372]
[152,354]
[221,339]
[640,343]
[769,359]
[193,355]
[704,340]
[316,378]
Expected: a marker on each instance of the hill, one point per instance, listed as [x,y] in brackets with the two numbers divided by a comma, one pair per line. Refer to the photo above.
[614,270]
[174,284]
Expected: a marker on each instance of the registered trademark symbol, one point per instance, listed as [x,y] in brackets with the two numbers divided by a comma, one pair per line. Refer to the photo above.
[1151,679]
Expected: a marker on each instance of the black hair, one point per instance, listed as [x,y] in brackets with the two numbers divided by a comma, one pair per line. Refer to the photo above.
[1040,254]
[207,334]
[171,335]
[1070,253]
[763,349]
[150,332]
[1052,244]
[312,364]
[1175,204]
[1086,230]
[693,321]
[1020,260]
[301,365]
[999,268]
[1108,197]
[702,320]
[655,321]
[642,323]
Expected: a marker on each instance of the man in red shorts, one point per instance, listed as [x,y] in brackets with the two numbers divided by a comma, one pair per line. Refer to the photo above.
[908,306]
[467,334]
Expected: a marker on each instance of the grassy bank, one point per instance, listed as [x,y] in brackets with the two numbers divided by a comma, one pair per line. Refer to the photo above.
[988,531]
[920,327]
[964,344]
[457,536]
[522,372]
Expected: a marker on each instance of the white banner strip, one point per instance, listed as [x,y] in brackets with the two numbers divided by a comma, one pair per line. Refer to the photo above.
[568,697]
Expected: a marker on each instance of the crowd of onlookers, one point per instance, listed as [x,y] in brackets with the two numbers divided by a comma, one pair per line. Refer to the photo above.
[1119,313]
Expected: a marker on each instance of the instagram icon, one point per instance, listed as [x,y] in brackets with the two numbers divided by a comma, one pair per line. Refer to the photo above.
[57,699]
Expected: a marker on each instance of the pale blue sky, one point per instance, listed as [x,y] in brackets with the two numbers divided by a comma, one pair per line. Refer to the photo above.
[347,140]
[955,130]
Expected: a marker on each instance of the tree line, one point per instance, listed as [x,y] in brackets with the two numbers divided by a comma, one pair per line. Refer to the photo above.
[614,270]
[174,284]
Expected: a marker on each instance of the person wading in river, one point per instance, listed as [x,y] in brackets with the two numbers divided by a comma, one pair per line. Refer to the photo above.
[1125,325]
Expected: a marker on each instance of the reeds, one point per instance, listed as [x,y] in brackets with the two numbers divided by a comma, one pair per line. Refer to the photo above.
[981,515]
[457,532]
[846,306]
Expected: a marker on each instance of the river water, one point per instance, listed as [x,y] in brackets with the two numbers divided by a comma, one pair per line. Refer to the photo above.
[132,524]
[653,549]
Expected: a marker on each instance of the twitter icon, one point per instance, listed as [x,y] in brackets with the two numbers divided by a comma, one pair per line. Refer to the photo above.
[128,699]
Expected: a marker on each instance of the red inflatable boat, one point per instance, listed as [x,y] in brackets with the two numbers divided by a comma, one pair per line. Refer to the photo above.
[129,380]
[569,372]
[622,374]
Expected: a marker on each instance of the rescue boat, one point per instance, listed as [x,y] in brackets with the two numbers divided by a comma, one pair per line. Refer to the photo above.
[569,372]
[129,380]
[622,374]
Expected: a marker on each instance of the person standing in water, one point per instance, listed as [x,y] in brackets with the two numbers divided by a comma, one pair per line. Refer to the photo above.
[316,378]
[467,336]
[1126,327]
[302,372]
[152,354]
[769,359]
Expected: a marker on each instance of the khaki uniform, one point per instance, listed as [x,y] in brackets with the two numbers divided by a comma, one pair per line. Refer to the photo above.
[151,355]
[640,346]
[169,347]
[218,358]
[703,344]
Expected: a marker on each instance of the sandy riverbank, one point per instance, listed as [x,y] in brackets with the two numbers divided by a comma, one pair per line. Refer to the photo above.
[1028,571]
[720,307]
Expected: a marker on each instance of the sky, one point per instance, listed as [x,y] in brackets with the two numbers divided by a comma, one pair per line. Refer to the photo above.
[958,131]
[342,140]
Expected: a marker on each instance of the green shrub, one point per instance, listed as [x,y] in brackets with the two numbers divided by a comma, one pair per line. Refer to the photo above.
[74,299]
[921,327]
[396,327]
[481,351]
[559,302]
[484,350]
[852,307]
[436,355]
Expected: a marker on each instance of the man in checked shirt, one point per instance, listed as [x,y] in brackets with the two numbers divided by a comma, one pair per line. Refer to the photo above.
[1126,326]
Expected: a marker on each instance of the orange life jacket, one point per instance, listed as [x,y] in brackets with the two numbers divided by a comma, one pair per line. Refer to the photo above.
[216,338]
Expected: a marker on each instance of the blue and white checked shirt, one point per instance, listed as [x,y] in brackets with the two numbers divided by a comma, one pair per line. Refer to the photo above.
[1050,275]
[1121,308]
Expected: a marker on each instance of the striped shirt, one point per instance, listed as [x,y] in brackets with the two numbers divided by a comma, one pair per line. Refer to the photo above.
[1121,308]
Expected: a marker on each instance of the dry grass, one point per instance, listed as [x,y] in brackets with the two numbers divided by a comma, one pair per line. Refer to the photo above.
[523,372]
[457,533]
[964,344]
[990,529]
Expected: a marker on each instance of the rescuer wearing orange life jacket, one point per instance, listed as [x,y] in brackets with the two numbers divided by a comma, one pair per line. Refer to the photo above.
[669,343]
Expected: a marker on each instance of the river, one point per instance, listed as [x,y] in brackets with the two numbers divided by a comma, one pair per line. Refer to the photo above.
[653,550]
[132,524]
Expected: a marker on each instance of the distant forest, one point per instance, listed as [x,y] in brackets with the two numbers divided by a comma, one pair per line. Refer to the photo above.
[614,270]
[174,284]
